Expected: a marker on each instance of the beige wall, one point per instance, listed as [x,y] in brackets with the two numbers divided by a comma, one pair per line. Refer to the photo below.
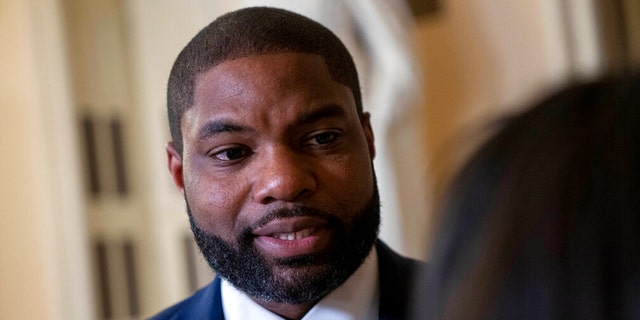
[484,58]
[22,269]
[43,263]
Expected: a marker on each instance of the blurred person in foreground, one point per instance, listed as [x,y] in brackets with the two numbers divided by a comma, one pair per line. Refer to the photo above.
[273,153]
[543,222]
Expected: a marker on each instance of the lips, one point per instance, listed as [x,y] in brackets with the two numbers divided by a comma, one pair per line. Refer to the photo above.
[290,237]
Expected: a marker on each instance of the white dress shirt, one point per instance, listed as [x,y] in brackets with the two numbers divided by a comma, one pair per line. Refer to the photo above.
[355,299]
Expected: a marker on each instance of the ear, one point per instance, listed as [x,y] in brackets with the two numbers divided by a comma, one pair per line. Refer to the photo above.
[174,161]
[365,121]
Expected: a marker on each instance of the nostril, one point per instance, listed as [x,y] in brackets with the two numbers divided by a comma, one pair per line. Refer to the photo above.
[267,200]
[282,192]
[288,186]
[301,195]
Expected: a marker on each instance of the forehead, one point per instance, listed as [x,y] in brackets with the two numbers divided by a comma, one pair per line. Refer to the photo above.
[271,85]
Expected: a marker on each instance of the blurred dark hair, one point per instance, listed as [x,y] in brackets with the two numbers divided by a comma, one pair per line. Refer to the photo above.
[543,222]
[248,32]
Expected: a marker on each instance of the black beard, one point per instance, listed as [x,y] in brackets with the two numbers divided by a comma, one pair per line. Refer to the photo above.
[299,279]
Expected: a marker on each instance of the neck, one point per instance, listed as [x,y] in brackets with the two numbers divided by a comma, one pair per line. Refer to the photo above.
[288,311]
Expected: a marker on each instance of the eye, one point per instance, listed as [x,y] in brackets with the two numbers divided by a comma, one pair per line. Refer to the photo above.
[322,138]
[231,154]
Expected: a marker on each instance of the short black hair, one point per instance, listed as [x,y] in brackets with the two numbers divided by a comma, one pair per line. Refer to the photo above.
[247,32]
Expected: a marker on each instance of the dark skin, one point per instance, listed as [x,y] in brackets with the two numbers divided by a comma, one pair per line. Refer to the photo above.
[269,132]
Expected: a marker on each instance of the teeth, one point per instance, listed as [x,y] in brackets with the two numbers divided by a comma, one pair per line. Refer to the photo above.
[294,235]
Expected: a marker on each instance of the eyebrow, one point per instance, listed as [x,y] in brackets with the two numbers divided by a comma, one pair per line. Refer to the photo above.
[326,111]
[219,126]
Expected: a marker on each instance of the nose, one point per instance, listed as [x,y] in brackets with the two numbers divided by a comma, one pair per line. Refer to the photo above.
[284,176]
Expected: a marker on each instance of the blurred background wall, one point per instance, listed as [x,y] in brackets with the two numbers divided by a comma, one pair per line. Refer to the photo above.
[90,226]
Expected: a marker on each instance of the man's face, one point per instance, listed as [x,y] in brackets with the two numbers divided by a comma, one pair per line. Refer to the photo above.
[277,174]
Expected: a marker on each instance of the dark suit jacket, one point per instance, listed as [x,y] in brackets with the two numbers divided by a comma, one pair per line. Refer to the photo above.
[396,277]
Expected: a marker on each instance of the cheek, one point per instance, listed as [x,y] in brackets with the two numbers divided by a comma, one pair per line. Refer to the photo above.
[351,182]
[215,203]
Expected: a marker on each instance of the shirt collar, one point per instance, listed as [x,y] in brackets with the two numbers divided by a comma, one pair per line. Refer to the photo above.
[356,298]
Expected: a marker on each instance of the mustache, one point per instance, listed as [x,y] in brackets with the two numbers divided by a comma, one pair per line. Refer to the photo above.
[298,211]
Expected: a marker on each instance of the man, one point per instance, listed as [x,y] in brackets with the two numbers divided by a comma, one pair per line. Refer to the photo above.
[273,153]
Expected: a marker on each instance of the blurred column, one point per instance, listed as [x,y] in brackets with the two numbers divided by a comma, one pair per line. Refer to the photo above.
[584,56]
[392,84]
[44,271]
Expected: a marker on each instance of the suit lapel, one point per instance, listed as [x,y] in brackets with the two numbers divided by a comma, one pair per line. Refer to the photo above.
[396,278]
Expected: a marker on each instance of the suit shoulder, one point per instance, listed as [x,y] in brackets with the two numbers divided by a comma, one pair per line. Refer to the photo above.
[394,263]
[203,304]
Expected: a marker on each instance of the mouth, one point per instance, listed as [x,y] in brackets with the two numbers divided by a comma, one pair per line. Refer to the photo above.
[298,235]
[291,237]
